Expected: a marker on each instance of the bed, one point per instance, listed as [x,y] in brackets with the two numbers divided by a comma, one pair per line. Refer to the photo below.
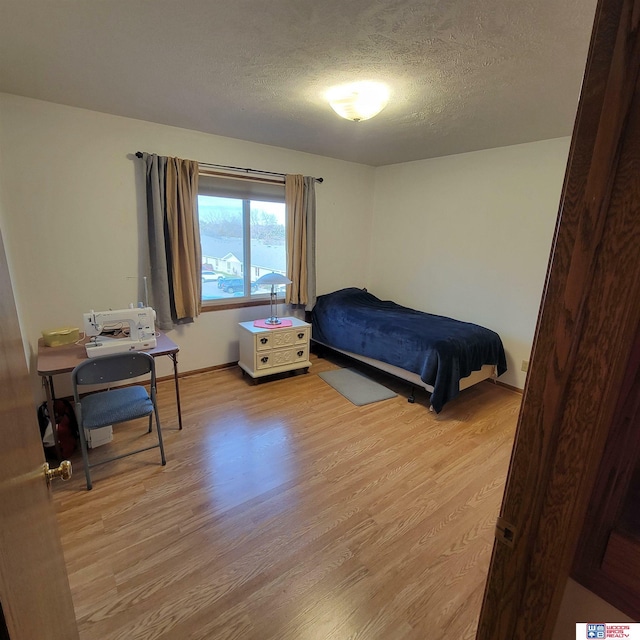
[440,354]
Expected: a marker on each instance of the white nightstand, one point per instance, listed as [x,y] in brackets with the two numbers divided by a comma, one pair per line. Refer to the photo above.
[264,352]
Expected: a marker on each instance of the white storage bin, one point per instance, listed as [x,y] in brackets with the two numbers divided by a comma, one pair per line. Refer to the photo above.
[97,437]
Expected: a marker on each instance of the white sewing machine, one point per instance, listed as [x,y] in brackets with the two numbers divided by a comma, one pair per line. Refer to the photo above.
[119,330]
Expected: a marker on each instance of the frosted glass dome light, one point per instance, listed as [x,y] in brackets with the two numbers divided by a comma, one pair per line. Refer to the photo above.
[358,100]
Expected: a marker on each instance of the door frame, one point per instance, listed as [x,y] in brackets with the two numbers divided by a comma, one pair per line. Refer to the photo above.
[589,315]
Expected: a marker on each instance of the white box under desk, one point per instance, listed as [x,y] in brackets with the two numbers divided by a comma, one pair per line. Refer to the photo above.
[264,352]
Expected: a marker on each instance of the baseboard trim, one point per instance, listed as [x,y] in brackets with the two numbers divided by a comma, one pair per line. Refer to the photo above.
[229,365]
[193,372]
[506,386]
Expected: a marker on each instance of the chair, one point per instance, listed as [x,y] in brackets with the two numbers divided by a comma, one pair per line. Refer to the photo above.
[112,406]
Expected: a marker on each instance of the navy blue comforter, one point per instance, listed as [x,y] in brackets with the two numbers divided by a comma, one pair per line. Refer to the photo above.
[440,350]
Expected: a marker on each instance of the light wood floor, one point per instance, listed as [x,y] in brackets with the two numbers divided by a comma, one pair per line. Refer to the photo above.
[285,512]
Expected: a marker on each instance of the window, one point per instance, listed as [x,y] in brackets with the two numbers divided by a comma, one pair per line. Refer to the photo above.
[242,222]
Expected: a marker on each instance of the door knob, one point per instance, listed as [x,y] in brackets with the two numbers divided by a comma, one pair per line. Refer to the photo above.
[63,471]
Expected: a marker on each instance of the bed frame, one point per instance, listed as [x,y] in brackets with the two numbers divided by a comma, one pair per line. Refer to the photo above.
[487,372]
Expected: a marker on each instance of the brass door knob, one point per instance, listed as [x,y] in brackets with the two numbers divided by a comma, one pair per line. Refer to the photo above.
[63,471]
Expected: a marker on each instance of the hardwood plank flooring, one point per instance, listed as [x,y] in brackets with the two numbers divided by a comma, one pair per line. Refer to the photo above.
[285,512]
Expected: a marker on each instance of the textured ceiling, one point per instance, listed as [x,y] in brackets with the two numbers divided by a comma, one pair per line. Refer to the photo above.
[464,74]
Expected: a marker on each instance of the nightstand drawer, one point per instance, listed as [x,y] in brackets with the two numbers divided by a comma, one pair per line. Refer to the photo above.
[282,338]
[264,342]
[282,357]
[301,336]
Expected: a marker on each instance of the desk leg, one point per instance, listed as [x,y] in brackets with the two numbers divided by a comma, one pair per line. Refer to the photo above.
[47,381]
[174,357]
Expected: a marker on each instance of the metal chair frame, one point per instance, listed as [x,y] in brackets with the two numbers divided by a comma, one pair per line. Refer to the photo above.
[105,370]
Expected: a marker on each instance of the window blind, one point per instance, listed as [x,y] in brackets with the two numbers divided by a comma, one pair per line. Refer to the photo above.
[240,188]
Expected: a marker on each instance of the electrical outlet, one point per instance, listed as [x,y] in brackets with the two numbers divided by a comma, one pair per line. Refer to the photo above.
[525,365]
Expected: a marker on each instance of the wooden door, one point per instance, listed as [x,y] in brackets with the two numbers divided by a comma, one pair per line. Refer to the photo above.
[585,334]
[607,561]
[34,588]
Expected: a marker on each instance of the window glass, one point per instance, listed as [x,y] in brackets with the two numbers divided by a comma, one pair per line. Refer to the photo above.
[236,231]
[222,242]
[268,241]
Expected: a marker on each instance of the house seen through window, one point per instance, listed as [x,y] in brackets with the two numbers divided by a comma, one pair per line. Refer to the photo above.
[243,237]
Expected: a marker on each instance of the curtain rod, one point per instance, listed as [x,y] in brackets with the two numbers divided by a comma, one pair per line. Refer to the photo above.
[224,166]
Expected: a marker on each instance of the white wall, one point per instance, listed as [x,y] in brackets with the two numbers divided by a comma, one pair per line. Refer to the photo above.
[469,236]
[466,236]
[3,234]
[73,217]
[581,605]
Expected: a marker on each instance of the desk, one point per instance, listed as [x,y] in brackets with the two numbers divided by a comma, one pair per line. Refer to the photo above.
[55,360]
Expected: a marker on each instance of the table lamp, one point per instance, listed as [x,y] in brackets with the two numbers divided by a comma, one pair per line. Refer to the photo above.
[273,279]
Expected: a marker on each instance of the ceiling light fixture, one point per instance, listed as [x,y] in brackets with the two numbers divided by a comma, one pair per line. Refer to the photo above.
[358,100]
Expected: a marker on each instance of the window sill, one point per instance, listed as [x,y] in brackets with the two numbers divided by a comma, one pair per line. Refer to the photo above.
[221,306]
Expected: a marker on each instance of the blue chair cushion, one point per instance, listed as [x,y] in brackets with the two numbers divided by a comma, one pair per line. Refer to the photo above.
[113,406]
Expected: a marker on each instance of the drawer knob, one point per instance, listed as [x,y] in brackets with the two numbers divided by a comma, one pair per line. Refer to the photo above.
[300,336]
[264,340]
[300,354]
[264,359]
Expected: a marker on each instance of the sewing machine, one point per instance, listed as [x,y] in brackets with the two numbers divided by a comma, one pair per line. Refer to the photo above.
[135,326]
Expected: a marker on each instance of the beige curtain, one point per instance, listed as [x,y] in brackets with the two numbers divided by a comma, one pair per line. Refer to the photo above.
[174,239]
[296,240]
[300,201]
[184,235]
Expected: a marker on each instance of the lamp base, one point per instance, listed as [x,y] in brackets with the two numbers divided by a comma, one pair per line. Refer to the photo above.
[273,320]
[265,324]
